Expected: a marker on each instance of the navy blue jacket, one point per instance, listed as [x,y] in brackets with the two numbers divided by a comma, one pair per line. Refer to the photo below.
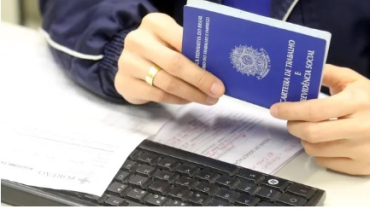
[87,36]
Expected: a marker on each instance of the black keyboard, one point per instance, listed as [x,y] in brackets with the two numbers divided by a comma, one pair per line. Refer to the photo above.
[158,175]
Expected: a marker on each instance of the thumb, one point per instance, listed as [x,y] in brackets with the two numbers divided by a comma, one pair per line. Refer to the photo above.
[338,77]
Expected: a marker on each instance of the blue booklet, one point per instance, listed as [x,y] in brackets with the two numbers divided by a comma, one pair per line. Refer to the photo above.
[261,60]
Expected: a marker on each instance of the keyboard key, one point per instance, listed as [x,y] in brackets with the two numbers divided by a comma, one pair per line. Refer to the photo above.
[156,200]
[250,175]
[186,182]
[248,187]
[145,170]
[268,194]
[301,190]
[118,189]
[180,193]
[177,203]
[246,200]
[227,194]
[139,181]
[226,181]
[129,166]
[147,158]
[167,164]
[160,187]
[137,195]
[186,169]
[291,200]
[198,199]
[96,199]
[266,204]
[165,176]
[190,157]
[218,202]
[135,154]
[116,201]
[276,183]
[205,175]
[122,176]
[207,188]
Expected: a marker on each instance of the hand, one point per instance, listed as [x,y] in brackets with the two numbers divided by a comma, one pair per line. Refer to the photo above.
[334,130]
[157,42]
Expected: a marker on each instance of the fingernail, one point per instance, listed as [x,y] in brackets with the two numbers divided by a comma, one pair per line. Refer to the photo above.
[274,111]
[211,100]
[217,89]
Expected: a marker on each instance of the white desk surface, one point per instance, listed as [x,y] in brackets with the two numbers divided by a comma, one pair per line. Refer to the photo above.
[341,189]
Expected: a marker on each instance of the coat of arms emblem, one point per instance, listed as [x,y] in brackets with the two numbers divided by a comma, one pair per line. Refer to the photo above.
[251,62]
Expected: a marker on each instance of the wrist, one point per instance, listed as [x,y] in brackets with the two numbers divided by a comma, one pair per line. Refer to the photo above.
[109,64]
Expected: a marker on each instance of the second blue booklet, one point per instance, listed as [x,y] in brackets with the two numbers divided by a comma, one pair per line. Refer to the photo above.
[261,60]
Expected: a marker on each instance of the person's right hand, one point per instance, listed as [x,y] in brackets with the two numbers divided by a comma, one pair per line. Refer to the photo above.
[158,42]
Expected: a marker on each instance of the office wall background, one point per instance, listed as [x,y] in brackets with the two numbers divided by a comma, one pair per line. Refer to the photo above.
[23,12]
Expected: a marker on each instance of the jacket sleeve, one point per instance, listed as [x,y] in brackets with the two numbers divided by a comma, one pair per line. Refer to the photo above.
[86,38]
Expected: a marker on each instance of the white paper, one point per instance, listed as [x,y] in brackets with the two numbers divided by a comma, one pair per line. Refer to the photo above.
[65,160]
[53,133]
[232,132]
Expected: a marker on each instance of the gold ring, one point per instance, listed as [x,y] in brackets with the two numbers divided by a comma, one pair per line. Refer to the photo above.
[151,75]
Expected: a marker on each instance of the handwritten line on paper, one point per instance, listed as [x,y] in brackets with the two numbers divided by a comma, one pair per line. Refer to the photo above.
[251,152]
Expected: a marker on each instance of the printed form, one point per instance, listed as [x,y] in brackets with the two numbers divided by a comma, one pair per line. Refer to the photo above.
[46,157]
[234,133]
[76,149]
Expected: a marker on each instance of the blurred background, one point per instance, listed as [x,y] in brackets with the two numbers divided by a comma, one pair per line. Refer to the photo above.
[23,12]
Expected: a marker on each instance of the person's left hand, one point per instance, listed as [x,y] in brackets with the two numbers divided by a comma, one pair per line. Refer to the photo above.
[335,130]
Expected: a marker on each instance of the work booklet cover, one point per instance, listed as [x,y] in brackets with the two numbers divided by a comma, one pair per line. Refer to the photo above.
[261,60]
